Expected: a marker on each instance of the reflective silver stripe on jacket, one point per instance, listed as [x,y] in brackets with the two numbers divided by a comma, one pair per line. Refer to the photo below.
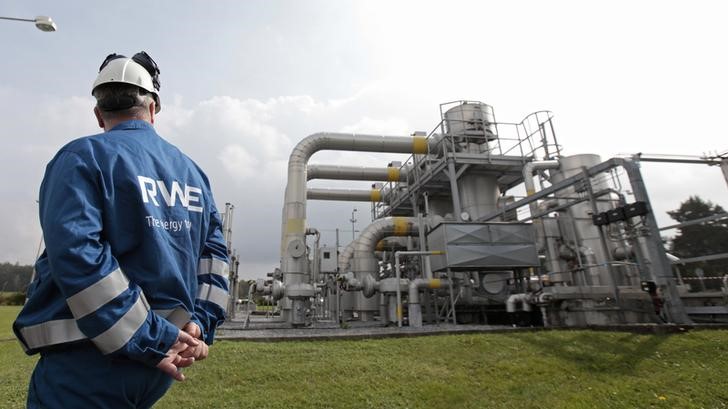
[213,294]
[97,294]
[51,333]
[61,331]
[121,332]
[178,316]
[213,266]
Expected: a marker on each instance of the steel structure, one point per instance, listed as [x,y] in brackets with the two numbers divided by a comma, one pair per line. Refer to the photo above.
[451,241]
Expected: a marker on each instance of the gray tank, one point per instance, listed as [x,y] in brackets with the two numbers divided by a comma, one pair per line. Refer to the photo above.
[474,120]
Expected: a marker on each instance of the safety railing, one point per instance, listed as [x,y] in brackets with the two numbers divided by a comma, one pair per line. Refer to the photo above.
[533,138]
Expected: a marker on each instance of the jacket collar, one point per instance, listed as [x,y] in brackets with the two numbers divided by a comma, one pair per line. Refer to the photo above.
[132,124]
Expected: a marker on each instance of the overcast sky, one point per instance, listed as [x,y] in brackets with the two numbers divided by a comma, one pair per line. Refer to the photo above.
[244,81]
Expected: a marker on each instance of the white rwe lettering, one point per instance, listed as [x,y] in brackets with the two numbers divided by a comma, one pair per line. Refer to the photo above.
[189,190]
[148,188]
[189,197]
[171,197]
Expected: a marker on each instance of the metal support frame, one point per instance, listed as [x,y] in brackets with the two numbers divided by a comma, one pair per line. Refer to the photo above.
[656,266]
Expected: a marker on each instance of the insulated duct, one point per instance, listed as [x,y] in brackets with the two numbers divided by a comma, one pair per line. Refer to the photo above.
[388,174]
[345,195]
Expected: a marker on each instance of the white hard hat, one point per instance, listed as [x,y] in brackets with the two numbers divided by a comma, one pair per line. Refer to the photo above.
[125,70]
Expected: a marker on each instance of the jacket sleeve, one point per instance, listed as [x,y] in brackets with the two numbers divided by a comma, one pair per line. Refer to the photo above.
[109,309]
[212,280]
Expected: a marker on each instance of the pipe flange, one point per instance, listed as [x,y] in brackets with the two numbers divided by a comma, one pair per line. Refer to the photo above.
[296,248]
[277,290]
[369,286]
[300,290]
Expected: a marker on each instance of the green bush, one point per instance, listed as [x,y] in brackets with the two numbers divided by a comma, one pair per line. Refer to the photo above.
[12,298]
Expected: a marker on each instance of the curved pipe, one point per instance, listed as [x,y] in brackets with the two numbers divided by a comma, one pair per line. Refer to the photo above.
[388,174]
[293,265]
[514,299]
[413,297]
[366,244]
[531,167]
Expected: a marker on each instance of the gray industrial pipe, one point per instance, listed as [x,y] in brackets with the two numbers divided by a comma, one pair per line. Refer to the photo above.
[413,297]
[514,299]
[388,174]
[363,260]
[346,195]
[366,244]
[398,277]
[294,264]
[316,256]
[543,242]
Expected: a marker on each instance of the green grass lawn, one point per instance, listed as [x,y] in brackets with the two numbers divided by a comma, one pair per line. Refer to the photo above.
[549,369]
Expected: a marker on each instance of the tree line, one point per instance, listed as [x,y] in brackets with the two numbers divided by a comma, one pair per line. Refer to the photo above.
[14,277]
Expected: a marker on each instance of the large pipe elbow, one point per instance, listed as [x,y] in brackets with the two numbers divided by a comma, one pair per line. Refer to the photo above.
[418,284]
[531,167]
[514,299]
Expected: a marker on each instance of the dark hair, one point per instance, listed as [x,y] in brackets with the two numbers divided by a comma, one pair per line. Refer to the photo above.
[121,98]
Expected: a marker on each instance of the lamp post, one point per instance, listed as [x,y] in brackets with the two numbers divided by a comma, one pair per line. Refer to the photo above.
[353,220]
[44,23]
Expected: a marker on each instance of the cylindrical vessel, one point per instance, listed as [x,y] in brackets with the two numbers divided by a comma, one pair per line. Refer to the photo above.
[578,229]
[478,194]
[472,120]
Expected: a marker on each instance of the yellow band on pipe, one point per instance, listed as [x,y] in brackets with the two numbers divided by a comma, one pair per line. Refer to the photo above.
[435,283]
[380,245]
[419,144]
[375,195]
[401,226]
[296,226]
[530,192]
[399,312]
[393,174]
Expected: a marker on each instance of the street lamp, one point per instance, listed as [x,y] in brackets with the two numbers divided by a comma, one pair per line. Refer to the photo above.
[44,23]
[352,220]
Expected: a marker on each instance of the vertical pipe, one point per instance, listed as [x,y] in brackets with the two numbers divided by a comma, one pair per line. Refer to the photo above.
[452,175]
[398,274]
[399,290]
[452,296]
[427,267]
[338,296]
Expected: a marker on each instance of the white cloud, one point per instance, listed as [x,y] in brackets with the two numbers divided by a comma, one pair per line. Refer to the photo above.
[389,126]
[238,162]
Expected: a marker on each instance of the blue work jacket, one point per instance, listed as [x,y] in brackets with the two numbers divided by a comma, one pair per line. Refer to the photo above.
[134,248]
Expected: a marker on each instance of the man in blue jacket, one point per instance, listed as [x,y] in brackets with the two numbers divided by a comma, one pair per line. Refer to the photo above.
[133,281]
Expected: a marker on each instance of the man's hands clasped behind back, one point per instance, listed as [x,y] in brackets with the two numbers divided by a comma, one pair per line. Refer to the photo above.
[199,351]
[188,349]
